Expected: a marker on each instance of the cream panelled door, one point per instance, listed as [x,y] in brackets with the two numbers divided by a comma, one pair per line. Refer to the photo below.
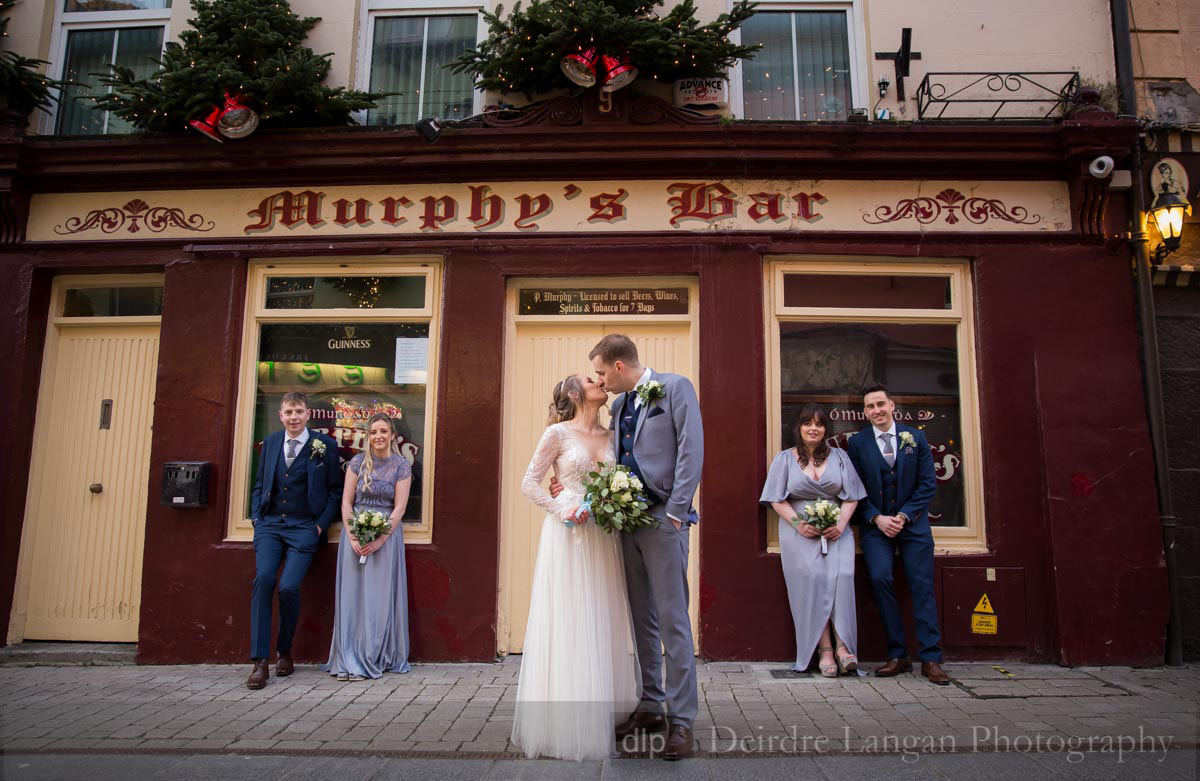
[542,354]
[87,489]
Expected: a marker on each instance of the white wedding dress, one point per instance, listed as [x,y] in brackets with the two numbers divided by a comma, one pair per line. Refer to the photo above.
[579,671]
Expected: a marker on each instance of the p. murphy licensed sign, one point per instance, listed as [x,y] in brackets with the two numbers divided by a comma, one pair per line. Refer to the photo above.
[556,207]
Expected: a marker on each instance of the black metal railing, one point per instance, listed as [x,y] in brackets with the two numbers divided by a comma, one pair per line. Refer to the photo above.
[995,95]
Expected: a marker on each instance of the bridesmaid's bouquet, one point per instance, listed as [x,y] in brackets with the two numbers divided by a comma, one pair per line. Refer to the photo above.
[822,514]
[368,526]
[615,499]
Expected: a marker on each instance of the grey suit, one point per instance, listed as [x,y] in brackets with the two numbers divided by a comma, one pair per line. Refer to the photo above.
[668,445]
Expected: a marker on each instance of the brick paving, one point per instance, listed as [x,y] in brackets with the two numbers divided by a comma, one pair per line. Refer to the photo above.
[465,710]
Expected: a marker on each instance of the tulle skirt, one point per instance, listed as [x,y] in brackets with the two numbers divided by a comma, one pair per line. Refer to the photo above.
[579,669]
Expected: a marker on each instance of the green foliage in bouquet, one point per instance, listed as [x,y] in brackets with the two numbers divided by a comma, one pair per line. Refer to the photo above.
[615,500]
[523,52]
[250,48]
[23,87]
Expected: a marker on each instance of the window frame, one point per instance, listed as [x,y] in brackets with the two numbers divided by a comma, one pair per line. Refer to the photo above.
[238,527]
[856,39]
[972,537]
[67,22]
[375,9]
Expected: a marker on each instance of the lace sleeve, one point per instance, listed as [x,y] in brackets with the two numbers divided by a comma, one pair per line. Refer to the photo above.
[543,458]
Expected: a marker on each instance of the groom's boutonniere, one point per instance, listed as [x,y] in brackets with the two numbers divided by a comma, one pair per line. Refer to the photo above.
[318,449]
[650,391]
[907,440]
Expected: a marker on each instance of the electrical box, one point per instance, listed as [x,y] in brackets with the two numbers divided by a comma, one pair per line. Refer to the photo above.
[185,483]
[983,606]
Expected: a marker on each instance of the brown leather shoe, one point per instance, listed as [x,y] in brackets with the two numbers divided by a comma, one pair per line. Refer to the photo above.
[284,666]
[259,675]
[894,667]
[641,721]
[679,743]
[934,672]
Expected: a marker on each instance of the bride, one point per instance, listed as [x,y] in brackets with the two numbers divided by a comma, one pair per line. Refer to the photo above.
[579,670]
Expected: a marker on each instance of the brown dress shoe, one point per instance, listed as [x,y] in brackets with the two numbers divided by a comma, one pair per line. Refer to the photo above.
[679,743]
[934,672]
[284,666]
[894,667]
[259,675]
[641,721]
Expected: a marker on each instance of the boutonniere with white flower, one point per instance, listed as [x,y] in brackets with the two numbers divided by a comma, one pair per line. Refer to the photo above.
[650,391]
[906,439]
[318,449]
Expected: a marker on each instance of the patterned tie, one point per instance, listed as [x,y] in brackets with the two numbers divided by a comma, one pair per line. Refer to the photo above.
[291,452]
[889,454]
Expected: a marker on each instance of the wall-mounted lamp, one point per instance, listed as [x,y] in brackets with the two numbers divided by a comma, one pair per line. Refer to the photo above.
[883,85]
[1168,211]
[430,128]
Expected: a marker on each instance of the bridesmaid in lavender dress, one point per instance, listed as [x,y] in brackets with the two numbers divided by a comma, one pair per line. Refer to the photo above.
[820,587]
[370,623]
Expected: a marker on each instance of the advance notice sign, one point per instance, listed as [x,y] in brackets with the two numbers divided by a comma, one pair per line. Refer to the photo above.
[603,301]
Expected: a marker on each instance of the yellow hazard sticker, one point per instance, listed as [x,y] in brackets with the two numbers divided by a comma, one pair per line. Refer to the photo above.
[984,605]
[984,624]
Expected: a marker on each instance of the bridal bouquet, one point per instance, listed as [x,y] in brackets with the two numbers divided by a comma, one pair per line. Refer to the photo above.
[822,514]
[368,526]
[615,499]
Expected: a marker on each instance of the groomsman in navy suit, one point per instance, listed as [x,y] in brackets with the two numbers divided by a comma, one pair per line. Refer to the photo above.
[896,466]
[297,491]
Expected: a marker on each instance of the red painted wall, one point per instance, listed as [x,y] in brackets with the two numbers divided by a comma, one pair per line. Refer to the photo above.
[1063,431]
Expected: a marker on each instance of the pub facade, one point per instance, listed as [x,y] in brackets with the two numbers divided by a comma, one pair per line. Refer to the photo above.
[164,292]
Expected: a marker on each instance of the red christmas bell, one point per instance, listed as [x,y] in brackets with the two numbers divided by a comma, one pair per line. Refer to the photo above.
[617,73]
[580,68]
[237,119]
[208,125]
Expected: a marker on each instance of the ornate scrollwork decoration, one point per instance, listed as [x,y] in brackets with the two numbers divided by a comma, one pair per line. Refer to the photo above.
[955,206]
[133,216]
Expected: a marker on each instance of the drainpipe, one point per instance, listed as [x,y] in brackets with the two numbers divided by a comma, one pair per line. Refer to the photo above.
[1139,243]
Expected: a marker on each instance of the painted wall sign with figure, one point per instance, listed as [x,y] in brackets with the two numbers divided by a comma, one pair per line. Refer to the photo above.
[603,301]
[614,206]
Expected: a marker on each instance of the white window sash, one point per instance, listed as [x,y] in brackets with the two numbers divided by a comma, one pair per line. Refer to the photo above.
[66,23]
[856,38]
[376,9]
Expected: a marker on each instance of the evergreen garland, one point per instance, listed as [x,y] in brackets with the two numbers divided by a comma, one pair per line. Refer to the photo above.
[523,52]
[244,47]
[23,87]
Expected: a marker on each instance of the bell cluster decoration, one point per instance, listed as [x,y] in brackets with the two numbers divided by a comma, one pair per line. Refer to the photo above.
[584,69]
[233,120]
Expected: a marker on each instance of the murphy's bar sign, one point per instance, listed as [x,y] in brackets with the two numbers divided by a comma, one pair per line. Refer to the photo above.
[555,207]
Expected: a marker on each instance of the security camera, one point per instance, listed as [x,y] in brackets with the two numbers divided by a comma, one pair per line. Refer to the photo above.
[1101,167]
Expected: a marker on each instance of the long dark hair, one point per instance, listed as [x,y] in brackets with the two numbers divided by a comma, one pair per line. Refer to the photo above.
[812,414]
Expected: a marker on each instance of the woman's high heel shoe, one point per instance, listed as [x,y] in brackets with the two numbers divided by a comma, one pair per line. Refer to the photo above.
[827,670]
[847,662]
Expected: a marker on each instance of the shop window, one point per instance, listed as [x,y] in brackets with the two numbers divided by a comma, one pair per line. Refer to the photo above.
[357,339]
[807,68]
[91,37]
[408,55]
[837,327]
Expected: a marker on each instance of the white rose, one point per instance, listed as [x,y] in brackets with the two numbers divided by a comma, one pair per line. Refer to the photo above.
[635,483]
[377,521]
[627,497]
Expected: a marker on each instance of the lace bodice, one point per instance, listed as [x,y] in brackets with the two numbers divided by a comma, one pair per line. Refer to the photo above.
[384,476]
[559,448]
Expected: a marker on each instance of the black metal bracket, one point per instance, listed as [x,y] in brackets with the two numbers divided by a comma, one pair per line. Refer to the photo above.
[901,58]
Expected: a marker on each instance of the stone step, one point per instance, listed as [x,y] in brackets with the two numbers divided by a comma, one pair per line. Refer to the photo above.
[47,654]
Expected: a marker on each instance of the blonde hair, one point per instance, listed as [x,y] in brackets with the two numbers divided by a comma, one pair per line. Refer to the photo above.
[368,462]
[562,406]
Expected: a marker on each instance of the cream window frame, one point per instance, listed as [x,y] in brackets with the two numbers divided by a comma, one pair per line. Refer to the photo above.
[968,539]
[856,35]
[238,527]
[66,23]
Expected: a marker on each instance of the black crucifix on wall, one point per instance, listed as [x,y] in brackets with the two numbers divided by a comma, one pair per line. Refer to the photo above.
[901,58]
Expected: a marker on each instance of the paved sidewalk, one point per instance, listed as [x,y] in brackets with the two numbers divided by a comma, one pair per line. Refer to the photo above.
[459,711]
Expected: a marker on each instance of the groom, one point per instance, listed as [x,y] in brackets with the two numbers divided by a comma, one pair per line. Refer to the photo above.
[297,490]
[658,435]
[896,466]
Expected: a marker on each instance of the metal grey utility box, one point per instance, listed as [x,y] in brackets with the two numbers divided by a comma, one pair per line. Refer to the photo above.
[185,483]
